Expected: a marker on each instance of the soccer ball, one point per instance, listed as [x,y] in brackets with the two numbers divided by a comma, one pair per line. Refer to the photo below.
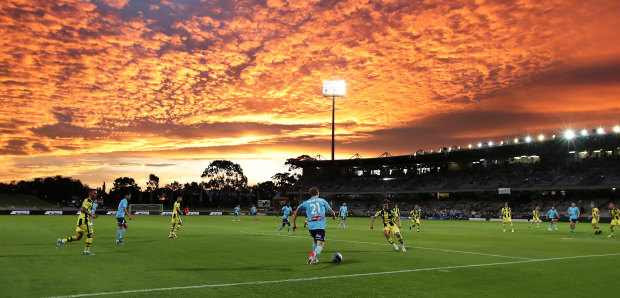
[337,257]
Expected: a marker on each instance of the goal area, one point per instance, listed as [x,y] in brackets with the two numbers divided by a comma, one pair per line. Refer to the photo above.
[154,208]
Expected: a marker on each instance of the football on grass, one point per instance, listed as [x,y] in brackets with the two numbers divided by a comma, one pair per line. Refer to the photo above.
[337,257]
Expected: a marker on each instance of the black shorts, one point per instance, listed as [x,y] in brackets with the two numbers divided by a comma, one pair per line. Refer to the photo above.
[573,220]
[286,222]
[318,235]
[121,221]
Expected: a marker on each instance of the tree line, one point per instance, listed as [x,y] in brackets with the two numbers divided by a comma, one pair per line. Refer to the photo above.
[223,185]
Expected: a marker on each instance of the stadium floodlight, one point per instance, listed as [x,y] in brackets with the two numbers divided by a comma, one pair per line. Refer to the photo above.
[333,89]
[469,146]
[584,132]
[528,139]
[501,143]
[617,128]
[600,131]
[569,134]
[490,143]
[541,137]
[553,136]
[479,145]
[516,140]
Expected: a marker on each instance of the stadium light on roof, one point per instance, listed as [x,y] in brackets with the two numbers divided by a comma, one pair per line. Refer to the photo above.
[541,137]
[333,89]
[617,129]
[528,139]
[569,134]
[600,131]
[584,132]
[469,146]
[490,143]
[479,145]
[516,140]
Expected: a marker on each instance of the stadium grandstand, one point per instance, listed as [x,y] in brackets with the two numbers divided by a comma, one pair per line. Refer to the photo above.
[475,181]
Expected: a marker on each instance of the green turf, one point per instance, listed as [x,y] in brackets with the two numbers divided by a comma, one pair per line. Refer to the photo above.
[216,251]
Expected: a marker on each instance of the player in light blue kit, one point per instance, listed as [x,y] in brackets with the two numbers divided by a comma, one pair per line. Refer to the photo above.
[343,214]
[95,205]
[120,217]
[553,216]
[253,211]
[286,210]
[315,209]
[573,213]
[237,211]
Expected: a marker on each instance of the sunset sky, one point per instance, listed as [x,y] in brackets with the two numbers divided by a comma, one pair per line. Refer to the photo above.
[99,89]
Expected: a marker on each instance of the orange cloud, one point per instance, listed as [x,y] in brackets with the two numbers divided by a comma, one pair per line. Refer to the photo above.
[119,77]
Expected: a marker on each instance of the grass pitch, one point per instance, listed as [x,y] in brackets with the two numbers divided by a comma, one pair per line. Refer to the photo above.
[215,257]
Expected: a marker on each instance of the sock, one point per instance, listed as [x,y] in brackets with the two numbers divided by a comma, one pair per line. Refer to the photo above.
[171,229]
[400,239]
[288,228]
[512,226]
[177,229]
[313,246]
[69,239]
[317,251]
[118,234]
[280,228]
[89,241]
[344,225]
[391,241]
[122,233]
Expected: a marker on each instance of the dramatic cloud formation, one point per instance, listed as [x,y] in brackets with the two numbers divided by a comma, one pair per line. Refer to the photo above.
[101,88]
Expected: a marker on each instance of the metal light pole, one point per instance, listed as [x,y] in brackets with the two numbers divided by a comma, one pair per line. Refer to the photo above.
[333,89]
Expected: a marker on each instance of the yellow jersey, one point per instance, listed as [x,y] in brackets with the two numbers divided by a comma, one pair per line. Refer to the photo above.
[389,217]
[415,214]
[615,213]
[506,212]
[177,206]
[88,205]
[595,213]
[535,213]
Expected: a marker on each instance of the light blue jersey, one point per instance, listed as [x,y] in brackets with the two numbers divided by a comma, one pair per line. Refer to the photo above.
[95,205]
[287,210]
[237,209]
[574,212]
[552,213]
[253,210]
[315,211]
[120,213]
[343,211]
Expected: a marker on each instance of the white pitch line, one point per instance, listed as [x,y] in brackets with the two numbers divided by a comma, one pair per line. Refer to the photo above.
[331,277]
[418,247]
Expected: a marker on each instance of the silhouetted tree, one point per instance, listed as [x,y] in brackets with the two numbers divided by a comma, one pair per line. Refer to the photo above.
[224,175]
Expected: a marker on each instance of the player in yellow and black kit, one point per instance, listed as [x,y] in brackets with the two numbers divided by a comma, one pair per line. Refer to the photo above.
[615,218]
[391,223]
[83,224]
[507,214]
[596,216]
[176,218]
[535,218]
[415,217]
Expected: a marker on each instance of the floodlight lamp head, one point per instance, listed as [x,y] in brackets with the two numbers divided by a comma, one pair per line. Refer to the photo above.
[334,88]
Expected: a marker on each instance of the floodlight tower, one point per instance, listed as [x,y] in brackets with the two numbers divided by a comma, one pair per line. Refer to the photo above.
[333,89]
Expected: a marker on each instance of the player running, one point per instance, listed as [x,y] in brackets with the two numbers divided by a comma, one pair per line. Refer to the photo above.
[83,224]
[615,218]
[315,208]
[596,216]
[553,217]
[120,217]
[286,210]
[343,214]
[415,217]
[507,215]
[535,218]
[253,212]
[573,214]
[176,218]
[390,224]
[237,213]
